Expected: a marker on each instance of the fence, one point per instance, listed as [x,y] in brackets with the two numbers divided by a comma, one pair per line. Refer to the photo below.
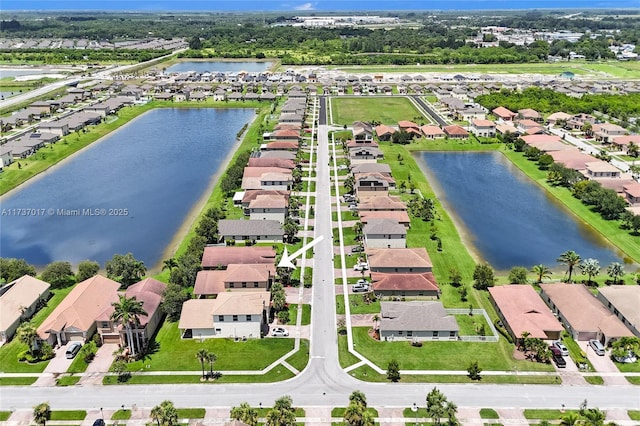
[493,338]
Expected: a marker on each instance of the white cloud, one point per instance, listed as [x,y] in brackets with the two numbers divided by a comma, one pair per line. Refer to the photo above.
[305,6]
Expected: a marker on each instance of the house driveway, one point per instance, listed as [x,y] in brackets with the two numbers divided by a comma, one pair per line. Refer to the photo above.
[293,294]
[100,364]
[59,364]
[570,375]
[603,364]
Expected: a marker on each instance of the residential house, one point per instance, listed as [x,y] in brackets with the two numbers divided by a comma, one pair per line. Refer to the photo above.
[408,126]
[59,128]
[365,154]
[237,277]
[455,132]
[217,257]
[432,132]
[238,315]
[529,114]
[381,203]
[362,131]
[420,321]
[572,158]
[268,207]
[623,301]
[504,113]
[402,217]
[6,155]
[554,118]
[399,260]
[546,143]
[469,113]
[372,185]
[521,309]
[632,193]
[607,132]
[148,291]
[483,128]
[577,121]
[74,319]
[530,127]
[584,316]
[250,230]
[384,233]
[622,143]
[19,300]
[384,132]
[393,285]
[381,168]
[598,169]
[360,143]
[282,163]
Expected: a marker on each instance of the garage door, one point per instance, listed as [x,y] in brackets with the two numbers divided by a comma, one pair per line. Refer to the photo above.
[111,339]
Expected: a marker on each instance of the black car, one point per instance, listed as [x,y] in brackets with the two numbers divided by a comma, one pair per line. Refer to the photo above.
[357,249]
[98,422]
[559,360]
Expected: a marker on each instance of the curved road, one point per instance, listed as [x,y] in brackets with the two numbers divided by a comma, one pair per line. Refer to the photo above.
[323,382]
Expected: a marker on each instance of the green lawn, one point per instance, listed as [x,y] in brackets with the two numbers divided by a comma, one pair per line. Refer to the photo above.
[542,414]
[357,305]
[628,368]
[387,110]
[191,413]
[306,313]
[121,415]
[469,325]
[17,381]
[300,359]
[345,357]
[339,411]
[594,380]
[437,355]
[277,374]
[634,414]
[67,380]
[367,374]
[68,415]
[488,413]
[634,380]
[4,415]
[176,354]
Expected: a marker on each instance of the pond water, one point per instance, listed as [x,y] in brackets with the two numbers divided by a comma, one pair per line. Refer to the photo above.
[219,66]
[509,219]
[146,176]
[18,72]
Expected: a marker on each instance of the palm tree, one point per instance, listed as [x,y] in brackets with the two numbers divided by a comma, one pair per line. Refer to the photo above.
[593,417]
[615,271]
[169,264]
[282,413]
[435,405]
[450,410]
[357,230]
[376,320]
[541,271]
[165,414]
[245,413]
[357,397]
[571,259]
[41,413]
[202,356]
[127,311]
[27,334]
[211,357]
[570,419]
[590,267]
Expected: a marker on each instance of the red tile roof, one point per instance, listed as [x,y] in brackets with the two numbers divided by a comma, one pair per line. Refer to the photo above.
[404,282]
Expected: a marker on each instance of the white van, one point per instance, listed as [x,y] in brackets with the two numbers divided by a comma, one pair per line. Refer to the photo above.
[597,347]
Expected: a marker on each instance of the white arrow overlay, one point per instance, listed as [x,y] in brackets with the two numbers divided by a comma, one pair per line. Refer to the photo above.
[287,259]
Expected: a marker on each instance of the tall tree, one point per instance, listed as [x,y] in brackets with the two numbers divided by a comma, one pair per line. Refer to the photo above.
[211,359]
[590,267]
[593,417]
[11,269]
[518,275]
[571,259]
[436,405]
[615,271]
[87,269]
[282,413]
[483,276]
[245,413]
[570,419]
[58,274]
[450,410]
[125,269]
[169,264]
[127,311]
[28,334]
[541,272]
[393,370]
[202,356]
[41,413]
[172,299]
[165,414]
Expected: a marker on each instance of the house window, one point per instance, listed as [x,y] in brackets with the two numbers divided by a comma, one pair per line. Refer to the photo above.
[218,330]
[248,318]
[235,318]
[435,334]
[400,333]
[105,324]
[409,333]
[244,285]
[231,285]
[255,285]
[221,318]
[452,334]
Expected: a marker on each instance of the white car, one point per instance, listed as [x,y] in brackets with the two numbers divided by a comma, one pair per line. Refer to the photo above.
[279,332]
[360,287]
[561,347]
[363,266]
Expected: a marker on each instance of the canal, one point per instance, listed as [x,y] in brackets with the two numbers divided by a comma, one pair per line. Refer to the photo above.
[507,218]
[128,192]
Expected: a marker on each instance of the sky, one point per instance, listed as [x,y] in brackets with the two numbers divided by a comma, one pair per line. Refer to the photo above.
[302,5]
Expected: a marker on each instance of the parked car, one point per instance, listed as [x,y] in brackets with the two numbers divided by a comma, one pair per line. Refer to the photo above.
[353,206]
[559,360]
[563,349]
[357,249]
[279,332]
[361,281]
[98,422]
[360,287]
[597,347]
[362,266]
[73,349]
